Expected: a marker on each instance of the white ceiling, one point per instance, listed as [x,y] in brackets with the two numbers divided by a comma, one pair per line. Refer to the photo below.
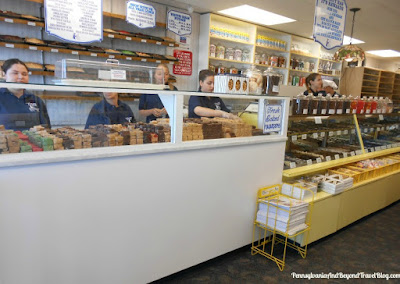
[377,23]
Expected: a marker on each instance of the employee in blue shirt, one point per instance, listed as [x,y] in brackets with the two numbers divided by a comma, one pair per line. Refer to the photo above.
[19,109]
[208,106]
[151,105]
[110,110]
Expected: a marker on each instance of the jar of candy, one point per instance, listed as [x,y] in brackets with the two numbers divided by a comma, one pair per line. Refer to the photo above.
[257,58]
[233,70]
[255,80]
[246,55]
[220,51]
[213,50]
[281,61]
[211,68]
[237,54]
[273,61]
[220,69]
[229,53]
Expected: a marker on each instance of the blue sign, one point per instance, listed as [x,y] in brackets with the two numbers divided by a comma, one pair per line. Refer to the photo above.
[140,15]
[329,22]
[179,23]
[272,118]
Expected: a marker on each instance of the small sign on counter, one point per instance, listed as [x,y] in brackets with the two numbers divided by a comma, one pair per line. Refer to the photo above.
[272,118]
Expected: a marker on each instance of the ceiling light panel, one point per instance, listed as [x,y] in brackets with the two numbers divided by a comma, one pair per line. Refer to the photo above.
[346,40]
[385,53]
[256,15]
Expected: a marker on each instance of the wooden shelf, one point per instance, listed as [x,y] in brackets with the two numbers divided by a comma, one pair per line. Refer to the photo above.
[231,40]
[303,54]
[364,80]
[227,60]
[267,66]
[271,48]
[294,70]
[22,21]
[85,53]
[334,61]
[323,74]
[136,39]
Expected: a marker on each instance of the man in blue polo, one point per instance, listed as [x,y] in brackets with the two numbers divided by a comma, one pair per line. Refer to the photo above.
[19,109]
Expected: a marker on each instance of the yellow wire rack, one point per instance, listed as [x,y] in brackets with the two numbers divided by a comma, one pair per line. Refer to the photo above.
[267,236]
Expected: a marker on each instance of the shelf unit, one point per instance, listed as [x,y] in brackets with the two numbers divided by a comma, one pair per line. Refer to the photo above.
[396,88]
[367,81]
[256,47]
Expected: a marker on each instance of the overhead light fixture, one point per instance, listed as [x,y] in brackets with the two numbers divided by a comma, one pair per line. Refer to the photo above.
[385,53]
[350,53]
[346,40]
[256,15]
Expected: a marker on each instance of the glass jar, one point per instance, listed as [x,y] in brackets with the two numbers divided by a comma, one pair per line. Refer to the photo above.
[220,69]
[238,54]
[323,105]
[301,65]
[211,68]
[257,58]
[281,61]
[339,104]
[271,82]
[229,53]
[302,104]
[220,51]
[389,105]
[246,55]
[374,105]
[381,105]
[360,105]
[347,104]
[314,105]
[368,104]
[332,101]
[353,104]
[264,59]
[307,65]
[255,80]
[213,50]
[233,70]
[273,61]
[312,67]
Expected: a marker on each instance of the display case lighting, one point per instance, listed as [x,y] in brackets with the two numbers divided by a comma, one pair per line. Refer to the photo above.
[256,15]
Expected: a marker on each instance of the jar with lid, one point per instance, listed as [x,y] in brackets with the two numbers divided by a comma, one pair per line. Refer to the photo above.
[323,105]
[281,61]
[220,69]
[314,104]
[367,107]
[271,82]
[360,105]
[295,63]
[381,105]
[302,104]
[264,59]
[307,65]
[301,65]
[213,50]
[255,80]
[389,105]
[229,53]
[246,55]
[220,51]
[294,106]
[211,67]
[374,105]
[295,80]
[312,67]
[238,54]
[347,104]
[339,104]
[353,104]
[273,61]
[257,58]
[233,70]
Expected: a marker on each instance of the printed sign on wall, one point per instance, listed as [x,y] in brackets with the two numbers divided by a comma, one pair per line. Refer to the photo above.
[329,22]
[78,21]
[184,66]
[179,23]
[140,15]
[272,118]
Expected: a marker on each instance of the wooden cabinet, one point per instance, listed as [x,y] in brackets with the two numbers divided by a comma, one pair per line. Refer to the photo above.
[368,82]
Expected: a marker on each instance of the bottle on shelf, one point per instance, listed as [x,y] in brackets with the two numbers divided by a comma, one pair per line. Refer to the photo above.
[246,55]
[229,53]
[238,54]
[353,104]
[367,107]
[374,105]
[213,49]
[360,105]
[381,105]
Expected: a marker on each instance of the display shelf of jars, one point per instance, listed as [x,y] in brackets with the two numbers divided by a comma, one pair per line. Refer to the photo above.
[303,54]
[228,60]
[301,71]
[220,38]
[266,66]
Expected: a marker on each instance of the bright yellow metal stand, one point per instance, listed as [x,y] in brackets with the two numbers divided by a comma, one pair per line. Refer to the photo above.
[266,238]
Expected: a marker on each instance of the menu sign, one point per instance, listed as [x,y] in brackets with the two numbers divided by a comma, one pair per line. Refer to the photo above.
[272,118]
[329,22]
[179,23]
[184,66]
[78,21]
[140,15]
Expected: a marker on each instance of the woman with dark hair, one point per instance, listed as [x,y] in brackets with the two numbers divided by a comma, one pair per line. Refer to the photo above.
[110,110]
[314,85]
[18,108]
[208,106]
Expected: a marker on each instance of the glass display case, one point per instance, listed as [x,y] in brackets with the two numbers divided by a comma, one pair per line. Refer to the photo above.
[317,139]
[110,74]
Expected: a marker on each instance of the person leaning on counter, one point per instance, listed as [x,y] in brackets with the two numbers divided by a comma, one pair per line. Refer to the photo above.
[18,108]
[208,106]
[151,105]
[314,85]
[110,110]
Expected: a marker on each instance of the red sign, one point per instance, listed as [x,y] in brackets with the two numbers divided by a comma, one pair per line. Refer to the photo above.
[184,66]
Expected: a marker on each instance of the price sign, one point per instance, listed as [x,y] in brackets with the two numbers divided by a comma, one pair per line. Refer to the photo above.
[184,66]
[140,14]
[345,155]
[272,118]
[365,130]
[358,152]
[292,165]
[294,138]
[353,131]
[328,158]
[8,20]
[304,136]
[352,153]
[345,132]
[337,157]
[111,36]
[128,38]
[309,162]
[339,132]
[318,120]
[377,148]
[380,117]
[322,134]
[330,133]
[179,23]
[371,150]
[75,52]
[33,47]
[9,45]
[319,160]
[315,135]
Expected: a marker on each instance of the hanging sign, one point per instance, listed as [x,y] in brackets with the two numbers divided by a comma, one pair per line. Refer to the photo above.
[272,118]
[329,22]
[184,66]
[179,23]
[78,21]
[140,15]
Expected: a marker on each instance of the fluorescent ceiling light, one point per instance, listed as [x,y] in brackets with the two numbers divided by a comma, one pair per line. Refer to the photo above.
[385,53]
[256,15]
[346,40]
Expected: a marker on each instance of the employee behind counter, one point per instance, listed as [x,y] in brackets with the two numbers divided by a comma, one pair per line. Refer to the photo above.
[19,109]
[205,105]
[314,85]
[110,110]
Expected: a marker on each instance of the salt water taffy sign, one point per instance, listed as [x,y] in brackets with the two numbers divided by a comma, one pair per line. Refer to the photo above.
[329,22]
[179,23]
[140,14]
[78,21]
